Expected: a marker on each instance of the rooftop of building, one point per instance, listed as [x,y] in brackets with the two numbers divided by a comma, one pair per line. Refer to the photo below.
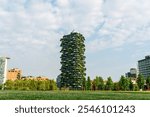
[35,77]
[146,57]
[14,69]
[132,68]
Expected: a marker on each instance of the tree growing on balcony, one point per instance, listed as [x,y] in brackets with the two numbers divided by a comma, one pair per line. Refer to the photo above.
[72,61]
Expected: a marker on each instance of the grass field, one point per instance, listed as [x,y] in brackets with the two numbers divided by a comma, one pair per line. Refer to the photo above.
[73,95]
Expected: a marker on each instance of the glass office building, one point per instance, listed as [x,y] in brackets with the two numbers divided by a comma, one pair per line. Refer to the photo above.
[144,66]
[3,69]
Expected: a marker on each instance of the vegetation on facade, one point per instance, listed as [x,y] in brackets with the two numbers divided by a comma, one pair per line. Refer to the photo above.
[72,61]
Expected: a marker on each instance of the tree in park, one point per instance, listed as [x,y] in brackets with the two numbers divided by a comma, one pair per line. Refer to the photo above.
[84,83]
[148,82]
[98,83]
[72,61]
[116,86]
[88,83]
[140,82]
[131,85]
[101,83]
[109,84]
[94,85]
[136,87]
[124,83]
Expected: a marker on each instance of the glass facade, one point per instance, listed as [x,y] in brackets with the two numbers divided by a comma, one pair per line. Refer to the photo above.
[2,69]
[144,66]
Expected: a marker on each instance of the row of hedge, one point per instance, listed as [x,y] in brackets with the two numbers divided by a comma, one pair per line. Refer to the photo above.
[30,84]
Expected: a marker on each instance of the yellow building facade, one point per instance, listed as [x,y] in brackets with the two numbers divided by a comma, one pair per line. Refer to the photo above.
[14,74]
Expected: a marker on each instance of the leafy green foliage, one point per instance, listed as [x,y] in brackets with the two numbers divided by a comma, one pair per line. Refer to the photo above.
[124,83]
[84,84]
[136,87]
[1,86]
[9,85]
[140,81]
[109,84]
[116,86]
[30,84]
[72,61]
[88,83]
[98,83]
[148,82]
[101,85]
[93,84]
[131,85]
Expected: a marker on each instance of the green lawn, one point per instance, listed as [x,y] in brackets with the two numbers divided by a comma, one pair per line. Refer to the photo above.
[73,95]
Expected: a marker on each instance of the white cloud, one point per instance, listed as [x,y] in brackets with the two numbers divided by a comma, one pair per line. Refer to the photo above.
[126,22]
[81,16]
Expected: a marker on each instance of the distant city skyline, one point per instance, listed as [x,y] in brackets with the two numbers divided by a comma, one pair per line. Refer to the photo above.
[117,34]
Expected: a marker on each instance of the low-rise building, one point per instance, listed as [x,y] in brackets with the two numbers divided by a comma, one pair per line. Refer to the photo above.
[14,74]
[132,73]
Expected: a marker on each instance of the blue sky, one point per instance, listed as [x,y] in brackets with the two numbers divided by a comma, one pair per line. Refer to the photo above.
[117,34]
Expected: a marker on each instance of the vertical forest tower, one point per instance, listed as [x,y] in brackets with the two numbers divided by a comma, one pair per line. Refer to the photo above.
[72,61]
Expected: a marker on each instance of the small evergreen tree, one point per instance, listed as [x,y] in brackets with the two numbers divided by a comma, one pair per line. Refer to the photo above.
[101,84]
[136,87]
[88,83]
[131,86]
[96,82]
[148,82]
[109,84]
[116,86]
[140,82]
[124,83]
[84,84]
[94,85]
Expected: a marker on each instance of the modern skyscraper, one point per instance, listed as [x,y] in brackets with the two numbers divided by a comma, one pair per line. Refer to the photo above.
[144,66]
[72,61]
[3,69]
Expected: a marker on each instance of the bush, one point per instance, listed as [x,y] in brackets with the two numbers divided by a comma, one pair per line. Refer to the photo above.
[31,84]
[116,86]
[136,88]
[9,85]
